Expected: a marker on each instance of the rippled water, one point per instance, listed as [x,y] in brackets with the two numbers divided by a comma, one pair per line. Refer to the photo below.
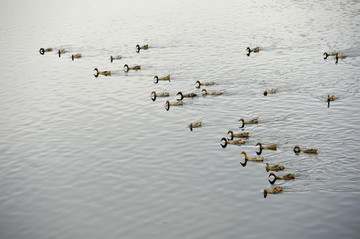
[86,157]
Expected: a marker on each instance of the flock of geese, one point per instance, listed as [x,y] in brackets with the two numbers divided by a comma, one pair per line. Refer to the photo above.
[241,136]
[276,167]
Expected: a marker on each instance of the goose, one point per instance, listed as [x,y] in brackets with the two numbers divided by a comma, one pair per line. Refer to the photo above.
[256,49]
[253,121]
[270,146]
[189,95]
[274,190]
[195,125]
[240,141]
[329,54]
[275,167]
[42,50]
[61,51]
[168,104]
[204,83]
[211,92]
[272,91]
[247,158]
[283,177]
[127,68]
[337,56]
[144,47]
[78,55]
[297,150]
[238,135]
[331,98]
[162,94]
[161,78]
[258,159]
[114,58]
[105,73]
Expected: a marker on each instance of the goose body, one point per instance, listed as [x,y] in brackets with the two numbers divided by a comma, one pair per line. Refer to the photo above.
[252,121]
[282,177]
[211,92]
[275,167]
[195,125]
[157,79]
[189,95]
[204,83]
[297,149]
[78,55]
[176,103]
[43,50]
[144,47]
[114,58]
[333,53]
[240,141]
[162,94]
[273,190]
[272,91]
[238,135]
[127,68]
[105,73]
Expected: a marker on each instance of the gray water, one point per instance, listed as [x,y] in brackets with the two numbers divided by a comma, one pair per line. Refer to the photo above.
[86,157]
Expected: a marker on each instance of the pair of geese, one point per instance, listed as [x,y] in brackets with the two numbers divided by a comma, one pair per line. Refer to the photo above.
[336,54]
[108,73]
[60,51]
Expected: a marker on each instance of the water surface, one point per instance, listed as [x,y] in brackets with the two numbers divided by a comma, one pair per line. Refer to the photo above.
[86,157]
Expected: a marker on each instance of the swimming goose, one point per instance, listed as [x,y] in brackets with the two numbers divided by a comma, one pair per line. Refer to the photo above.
[161,78]
[144,47]
[153,95]
[329,54]
[240,141]
[105,73]
[274,190]
[61,51]
[272,91]
[337,56]
[42,50]
[283,177]
[78,55]
[258,159]
[204,83]
[114,58]
[247,158]
[127,68]
[275,167]
[162,94]
[297,150]
[253,121]
[256,49]
[189,95]
[211,92]
[238,135]
[270,146]
[331,98]
[195,125]
[168,104]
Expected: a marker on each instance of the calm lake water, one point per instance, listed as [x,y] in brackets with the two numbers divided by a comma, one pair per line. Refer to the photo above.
[86,157]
